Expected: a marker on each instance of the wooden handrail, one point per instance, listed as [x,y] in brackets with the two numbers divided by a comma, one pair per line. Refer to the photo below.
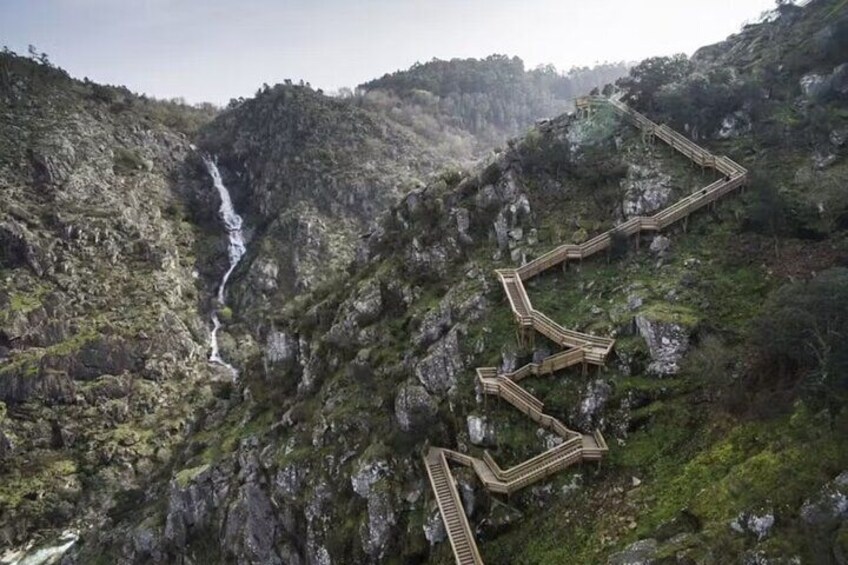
[583,348]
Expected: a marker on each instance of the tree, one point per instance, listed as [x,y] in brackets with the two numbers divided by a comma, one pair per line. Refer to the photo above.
[802,335]
[646,79]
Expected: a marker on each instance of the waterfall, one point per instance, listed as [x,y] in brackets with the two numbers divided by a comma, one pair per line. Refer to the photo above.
[47,554]
[235,251]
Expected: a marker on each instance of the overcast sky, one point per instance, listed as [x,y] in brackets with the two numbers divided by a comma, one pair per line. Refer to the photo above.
[212,50]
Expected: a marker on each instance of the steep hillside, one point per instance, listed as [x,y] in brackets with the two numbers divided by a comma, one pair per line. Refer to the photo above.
[727,432]
[102,348]
[475,104]
[357,321]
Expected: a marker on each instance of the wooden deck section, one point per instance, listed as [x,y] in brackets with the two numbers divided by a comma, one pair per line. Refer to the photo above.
[579,348]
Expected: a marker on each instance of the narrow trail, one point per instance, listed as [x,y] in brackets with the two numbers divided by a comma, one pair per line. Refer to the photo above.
[579,348]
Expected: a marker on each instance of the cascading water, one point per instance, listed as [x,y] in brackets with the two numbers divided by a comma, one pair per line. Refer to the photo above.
[235,250]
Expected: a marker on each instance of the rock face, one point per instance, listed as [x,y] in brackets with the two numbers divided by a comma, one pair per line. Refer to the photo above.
[415,409]
[369,482]
[757,524]
[830,506]
[735,125]
[439,369]
[646,190]
[667,342]
[480,431]
[641,552]
[592,404]
[660,246]
[97,337]
[314,209]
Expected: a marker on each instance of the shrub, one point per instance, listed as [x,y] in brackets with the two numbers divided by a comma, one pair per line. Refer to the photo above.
[127,160]
[802,337]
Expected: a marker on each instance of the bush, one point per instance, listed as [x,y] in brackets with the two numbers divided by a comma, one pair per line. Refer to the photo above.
[127,160]
[802,337]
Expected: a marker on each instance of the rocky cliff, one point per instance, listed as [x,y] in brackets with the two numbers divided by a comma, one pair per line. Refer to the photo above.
[724,406]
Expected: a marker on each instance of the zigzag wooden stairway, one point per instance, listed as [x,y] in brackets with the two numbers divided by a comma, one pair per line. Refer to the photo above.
[580,348]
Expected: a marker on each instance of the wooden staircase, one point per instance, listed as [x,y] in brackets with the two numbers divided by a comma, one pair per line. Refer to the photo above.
[580,348]
[450,507]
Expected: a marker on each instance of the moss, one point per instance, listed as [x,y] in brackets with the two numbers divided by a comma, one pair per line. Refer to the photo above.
[127,160]
[27,301]
[671,314]
[225,313]
[23,484]
[185,476]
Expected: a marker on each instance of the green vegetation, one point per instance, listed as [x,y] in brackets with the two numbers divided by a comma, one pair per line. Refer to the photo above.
[491,98]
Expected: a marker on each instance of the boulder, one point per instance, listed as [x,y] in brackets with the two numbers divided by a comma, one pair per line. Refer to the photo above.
[734,125]
[280,348]
[660,245]
[758,524]
[368,304]
[646,190]
[642,552]
[829,506]
[594,400]
[813,85]
[481,431]
[434,528]
[439,368]
[415,409]
[667,342]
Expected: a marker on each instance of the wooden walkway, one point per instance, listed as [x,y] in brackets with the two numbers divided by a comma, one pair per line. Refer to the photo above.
[579,348]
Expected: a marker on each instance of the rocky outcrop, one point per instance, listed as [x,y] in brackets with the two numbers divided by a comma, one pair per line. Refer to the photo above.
[415,409]
[439,368]
[758,524]
[646,190]
[642,552]
[667,342]
[481,431]
[829,506]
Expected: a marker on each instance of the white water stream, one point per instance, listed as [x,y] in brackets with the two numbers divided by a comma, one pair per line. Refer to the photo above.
[235,250]
[47,554]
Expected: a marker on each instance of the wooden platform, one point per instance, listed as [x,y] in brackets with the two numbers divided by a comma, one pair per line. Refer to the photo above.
[579,348]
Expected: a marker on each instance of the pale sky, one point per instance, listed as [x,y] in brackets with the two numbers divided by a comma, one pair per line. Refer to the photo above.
[213,50]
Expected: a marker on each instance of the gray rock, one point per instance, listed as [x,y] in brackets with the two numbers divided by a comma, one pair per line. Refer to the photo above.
[758,557]
[734,125]
[634,302]
[823,160]
[370,482]
[380,529]
[838,137]
[667,342]
[595,397]
[439,369]
[480,431]
[434,324]
[280,347]
[646,190]
[642,552]
[251,529]
[415,409]
[839,79]
[367,474]
[813,84]
[758,524]
[463,223]
[509,360]
[289,481]
[368,304]
[434,528]
[829,506]
[660,246]
[501,231]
